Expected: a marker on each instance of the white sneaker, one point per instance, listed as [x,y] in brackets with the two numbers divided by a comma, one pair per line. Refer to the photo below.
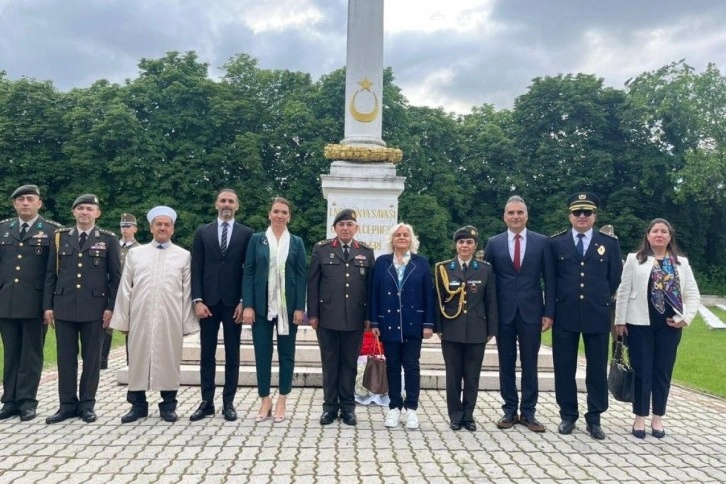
[411,419]
[393,418]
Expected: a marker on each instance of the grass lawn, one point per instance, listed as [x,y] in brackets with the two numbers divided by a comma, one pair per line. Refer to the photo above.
[699,364]
[50,357]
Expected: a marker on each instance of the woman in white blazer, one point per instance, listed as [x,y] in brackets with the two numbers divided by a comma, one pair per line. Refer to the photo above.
[657,297]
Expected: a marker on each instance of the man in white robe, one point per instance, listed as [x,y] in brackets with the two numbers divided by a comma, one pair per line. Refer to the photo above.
[154,308]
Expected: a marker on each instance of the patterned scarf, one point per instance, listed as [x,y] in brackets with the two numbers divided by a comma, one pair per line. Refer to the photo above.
[666,286]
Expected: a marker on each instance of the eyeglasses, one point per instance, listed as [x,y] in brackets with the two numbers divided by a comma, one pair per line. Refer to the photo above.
[578,213]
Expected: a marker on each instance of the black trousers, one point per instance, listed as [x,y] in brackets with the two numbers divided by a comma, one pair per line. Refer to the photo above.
[208,364]
[404,355]
[339,356]
[564,357]
[91,337]
[23,342]
[530,338]
[463,364]
[137,399]
[653,354]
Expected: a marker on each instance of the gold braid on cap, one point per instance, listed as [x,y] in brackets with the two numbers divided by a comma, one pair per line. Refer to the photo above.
[452,294]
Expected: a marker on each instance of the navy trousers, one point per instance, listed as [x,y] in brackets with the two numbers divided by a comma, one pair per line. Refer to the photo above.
[404,355]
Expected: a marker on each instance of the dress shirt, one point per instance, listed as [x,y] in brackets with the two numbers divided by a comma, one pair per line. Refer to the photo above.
[29,222]
[230,226]
[165,245]
[522,244]
[585,240]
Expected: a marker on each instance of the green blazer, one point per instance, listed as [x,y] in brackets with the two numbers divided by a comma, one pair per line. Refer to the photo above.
[254,282]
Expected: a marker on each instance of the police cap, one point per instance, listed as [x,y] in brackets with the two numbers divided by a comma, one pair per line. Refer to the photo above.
[88,198]
[345,214]
[25,190]
[583,201]
[466,232]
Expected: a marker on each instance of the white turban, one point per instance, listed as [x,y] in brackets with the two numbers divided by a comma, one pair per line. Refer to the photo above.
[161,210]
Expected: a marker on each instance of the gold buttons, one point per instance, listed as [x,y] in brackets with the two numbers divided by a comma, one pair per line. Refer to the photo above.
[80,265]
[582,263]
[20,244]
[79,276]
[17,280]
[80,254]
[17,268]
[78,286]
[582,285]
[464,311]
[582,296]
[20,256]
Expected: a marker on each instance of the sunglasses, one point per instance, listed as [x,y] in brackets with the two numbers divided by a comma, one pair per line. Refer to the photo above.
[578,213]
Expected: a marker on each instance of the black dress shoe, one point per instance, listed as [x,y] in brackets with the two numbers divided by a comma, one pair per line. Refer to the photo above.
[8,412]
[658,434]
[595,431]
[88,416]
[531,423]
[507,422]
[348,418]
[328,417]
[470,426]
[27,414]
[638,434]
[205,409]
[168,415]
[566,427]
[60,416]
[134,414]
[229,412]
[455,426]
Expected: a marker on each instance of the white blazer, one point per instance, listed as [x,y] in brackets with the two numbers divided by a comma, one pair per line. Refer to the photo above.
[632,300]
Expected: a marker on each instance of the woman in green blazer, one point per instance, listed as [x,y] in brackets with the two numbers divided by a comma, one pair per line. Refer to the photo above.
[273,294]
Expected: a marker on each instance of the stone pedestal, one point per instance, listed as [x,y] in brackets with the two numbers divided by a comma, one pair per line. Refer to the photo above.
[372,190]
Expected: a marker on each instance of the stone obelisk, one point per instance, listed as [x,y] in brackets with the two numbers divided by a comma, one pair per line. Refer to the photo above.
[363,173]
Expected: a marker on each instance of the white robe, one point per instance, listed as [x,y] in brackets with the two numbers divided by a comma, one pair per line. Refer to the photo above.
[154,305]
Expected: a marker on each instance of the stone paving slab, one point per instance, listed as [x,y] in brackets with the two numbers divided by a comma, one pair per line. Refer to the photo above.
[299,450]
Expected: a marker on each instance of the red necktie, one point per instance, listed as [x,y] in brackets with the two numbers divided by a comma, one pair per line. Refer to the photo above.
[516,252]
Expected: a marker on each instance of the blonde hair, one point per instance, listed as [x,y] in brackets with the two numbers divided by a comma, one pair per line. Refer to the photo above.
[388,243]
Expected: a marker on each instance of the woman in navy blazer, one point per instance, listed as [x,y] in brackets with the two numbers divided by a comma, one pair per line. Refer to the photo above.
[657,297]
[402,313]
[273,295]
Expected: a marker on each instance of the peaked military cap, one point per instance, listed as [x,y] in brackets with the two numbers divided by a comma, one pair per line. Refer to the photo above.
[467,232]
[346,214]
[88,198]
[583,201]
[127,220]
[25,190]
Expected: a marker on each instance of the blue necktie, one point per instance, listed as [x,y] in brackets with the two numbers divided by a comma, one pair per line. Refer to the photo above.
[223,243]
[580,245]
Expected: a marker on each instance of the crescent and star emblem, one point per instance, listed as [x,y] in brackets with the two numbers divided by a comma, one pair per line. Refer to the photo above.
[365,85]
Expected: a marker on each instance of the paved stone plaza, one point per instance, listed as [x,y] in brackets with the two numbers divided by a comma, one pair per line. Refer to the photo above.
[299,450]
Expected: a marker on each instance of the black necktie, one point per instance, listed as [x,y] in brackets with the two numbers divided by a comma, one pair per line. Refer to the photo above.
[159,246]
[580,245]
[345,251]
[23,230]
[223,244]
[82,239]
[464,267]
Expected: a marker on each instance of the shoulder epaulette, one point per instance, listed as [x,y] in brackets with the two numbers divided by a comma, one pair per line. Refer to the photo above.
[612,236]
[107,232]
[52,222]
[7,220]
[482,261]
[363,244]
[444,262]
[559,233]
[65,229]
[323,242]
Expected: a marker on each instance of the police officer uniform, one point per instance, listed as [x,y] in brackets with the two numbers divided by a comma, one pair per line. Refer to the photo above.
[338,288]
[467,318]
[23,260]
[586,285]
[81,283]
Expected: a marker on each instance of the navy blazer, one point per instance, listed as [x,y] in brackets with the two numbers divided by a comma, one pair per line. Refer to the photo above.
[257,268]
[585,285]
[215,277]
[405,312]
[523,290]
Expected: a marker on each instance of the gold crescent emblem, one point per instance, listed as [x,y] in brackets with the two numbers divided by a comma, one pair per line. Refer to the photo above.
[582,196]
[601,250]
[365,85]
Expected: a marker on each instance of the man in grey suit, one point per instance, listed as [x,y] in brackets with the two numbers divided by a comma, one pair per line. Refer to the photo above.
[339,280]
[218,259]
[24,245]
[522,260]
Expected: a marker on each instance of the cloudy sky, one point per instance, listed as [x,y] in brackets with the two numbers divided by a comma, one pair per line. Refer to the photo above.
[453,53]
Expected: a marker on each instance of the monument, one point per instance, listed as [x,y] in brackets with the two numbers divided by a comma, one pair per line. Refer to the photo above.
[363,172]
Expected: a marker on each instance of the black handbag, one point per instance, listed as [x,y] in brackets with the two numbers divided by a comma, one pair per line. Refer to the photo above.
[621,378]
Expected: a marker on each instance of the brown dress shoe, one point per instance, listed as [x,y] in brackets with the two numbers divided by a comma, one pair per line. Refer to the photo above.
[531,423]
[507,422]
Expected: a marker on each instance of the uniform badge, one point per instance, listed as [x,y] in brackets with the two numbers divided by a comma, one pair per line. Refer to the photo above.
[7,234]
[601,250]
[332,256]
[362,271]
[473,288]
[360,256]
[40,235]
[38,251]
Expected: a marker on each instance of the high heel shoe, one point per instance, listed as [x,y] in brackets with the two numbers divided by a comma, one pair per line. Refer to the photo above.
[262,416]
[279,415]
[638,434]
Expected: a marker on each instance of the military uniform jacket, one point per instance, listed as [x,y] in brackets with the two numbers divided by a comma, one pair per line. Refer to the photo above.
[23,262]
[585,285]
[125,250]
[81,282]
[338,289]
[469,300]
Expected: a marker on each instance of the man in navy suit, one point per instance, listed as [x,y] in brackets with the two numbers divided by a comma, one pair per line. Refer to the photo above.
[521,260]
[218,258]
[588,265]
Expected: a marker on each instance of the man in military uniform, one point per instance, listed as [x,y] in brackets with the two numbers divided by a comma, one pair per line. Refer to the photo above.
[82,277]
[339,279]
[588,267]
[467,320]
[128,231]
[24,245]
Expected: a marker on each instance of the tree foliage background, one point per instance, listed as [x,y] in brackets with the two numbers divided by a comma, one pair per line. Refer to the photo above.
[173,135]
